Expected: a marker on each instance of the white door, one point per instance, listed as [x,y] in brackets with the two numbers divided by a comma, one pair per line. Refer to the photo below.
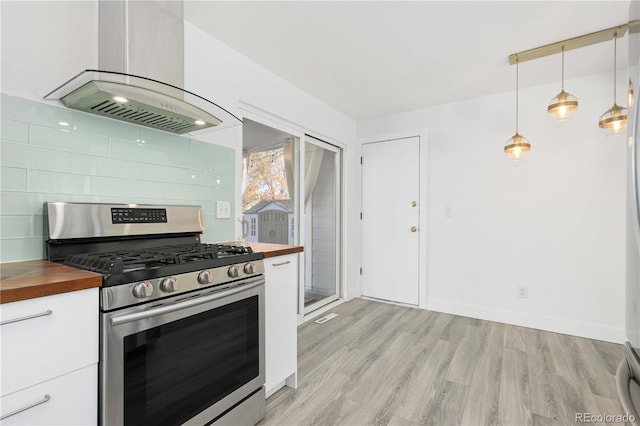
[390,218]
[273,226]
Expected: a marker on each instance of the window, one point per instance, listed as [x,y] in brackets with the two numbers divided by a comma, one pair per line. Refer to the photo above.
[269,168]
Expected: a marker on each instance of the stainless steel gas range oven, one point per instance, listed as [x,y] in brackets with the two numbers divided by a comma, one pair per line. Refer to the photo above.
[182,323]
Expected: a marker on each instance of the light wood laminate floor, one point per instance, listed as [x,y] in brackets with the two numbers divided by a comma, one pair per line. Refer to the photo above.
[378,364]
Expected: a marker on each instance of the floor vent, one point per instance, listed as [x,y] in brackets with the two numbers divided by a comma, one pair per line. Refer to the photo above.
[325,318]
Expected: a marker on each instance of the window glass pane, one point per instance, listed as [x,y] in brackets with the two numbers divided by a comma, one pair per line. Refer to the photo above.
[269,182]
[321,206]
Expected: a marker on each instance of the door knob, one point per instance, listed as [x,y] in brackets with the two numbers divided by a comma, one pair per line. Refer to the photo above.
[413,204]
[413,229]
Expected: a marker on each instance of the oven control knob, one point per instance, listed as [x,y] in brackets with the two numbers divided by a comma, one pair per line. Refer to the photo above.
[234,272]
[249,268]
[204,277]
[142,290]
[169,285]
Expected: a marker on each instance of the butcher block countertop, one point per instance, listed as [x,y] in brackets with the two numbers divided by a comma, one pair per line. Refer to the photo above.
[270,250]
[37,278]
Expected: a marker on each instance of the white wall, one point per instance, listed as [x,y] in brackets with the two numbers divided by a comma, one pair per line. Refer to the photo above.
[215,71]
[553,223]
[44,44]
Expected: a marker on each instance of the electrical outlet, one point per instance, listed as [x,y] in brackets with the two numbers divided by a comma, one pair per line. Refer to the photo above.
[523,292]
[223,209]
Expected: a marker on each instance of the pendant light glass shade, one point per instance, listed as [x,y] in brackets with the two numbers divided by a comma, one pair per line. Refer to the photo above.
[614,120]
[564,103]
[517,147]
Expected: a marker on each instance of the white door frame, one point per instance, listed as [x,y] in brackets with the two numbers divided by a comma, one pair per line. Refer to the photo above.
[422,135]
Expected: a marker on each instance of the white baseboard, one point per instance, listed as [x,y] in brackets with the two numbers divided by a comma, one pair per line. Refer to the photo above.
[391,302]
[559,325]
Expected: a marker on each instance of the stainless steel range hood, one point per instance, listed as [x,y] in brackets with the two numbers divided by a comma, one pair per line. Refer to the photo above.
[141,56]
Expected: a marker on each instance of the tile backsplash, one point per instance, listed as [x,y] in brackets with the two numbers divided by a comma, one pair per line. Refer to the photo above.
[51,153]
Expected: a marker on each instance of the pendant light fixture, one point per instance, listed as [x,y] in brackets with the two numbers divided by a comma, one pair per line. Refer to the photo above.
[614,120]
[630,95]
[518,146]
[564,103]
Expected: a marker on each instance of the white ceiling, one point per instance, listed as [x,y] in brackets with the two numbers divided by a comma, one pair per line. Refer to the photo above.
[373,58]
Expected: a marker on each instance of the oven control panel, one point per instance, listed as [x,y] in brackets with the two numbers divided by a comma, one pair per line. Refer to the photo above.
[138,215]
[120,296]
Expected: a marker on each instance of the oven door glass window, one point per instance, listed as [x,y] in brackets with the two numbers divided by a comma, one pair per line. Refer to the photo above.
[174,371]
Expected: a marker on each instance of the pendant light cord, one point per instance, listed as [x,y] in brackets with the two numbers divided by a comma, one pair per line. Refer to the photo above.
[563,68]
[615,39]
[517,72]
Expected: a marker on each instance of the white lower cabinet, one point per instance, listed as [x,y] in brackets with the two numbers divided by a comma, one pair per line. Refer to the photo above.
[281,340]
[50,347]
[70,399]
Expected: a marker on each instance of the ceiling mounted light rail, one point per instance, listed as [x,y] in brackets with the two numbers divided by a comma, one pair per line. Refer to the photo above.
[518,146]
[572,43]
[564,103]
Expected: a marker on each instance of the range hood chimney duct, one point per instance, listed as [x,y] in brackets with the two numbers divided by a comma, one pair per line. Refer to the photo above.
[142,37]
[141,61]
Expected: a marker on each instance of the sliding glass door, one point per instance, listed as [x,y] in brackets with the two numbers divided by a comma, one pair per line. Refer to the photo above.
[322,208]
[291,195]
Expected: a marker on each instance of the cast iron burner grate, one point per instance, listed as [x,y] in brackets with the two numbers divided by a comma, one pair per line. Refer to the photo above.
[152,258]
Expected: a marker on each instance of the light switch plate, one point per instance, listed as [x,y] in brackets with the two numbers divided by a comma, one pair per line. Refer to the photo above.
[223,209]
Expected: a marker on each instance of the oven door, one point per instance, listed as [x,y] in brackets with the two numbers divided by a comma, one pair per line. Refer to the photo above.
[185,359]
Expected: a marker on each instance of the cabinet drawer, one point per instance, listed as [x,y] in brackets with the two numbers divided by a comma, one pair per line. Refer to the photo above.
[49,336]
[282,268]
[72,400]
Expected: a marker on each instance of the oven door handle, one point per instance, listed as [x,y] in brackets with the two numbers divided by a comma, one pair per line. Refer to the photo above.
[115,321]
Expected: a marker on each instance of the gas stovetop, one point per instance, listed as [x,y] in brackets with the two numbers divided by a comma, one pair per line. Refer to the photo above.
[126,266]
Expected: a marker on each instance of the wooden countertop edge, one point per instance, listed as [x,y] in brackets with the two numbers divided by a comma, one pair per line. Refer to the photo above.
[268,249]
[37,278]
[18,294]
[282,252]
